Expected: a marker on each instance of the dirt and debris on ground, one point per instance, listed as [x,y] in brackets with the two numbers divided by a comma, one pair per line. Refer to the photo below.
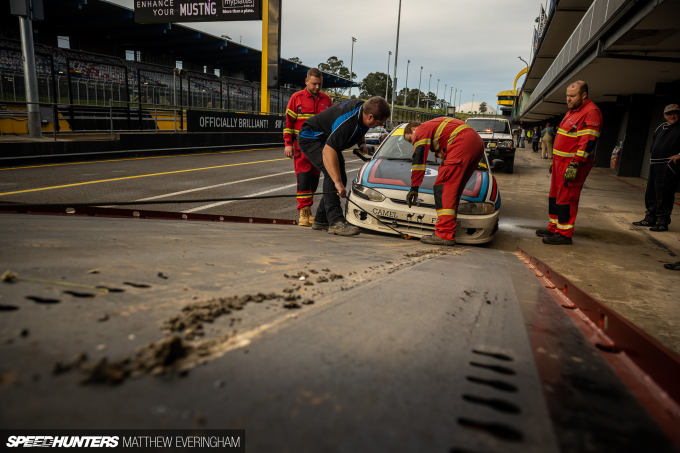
[420,253]
[155,358]
[190,320]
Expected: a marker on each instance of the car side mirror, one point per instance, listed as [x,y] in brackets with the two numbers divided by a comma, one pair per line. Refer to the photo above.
[370,150]
[498,165]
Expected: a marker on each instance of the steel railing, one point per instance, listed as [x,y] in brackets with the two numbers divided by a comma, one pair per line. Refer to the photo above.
[596,17]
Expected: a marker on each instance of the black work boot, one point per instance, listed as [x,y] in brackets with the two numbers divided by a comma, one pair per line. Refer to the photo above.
[544,233]
[644,222]
[659,227]
[433,239]
[557,239]
[319,226]
[343,229]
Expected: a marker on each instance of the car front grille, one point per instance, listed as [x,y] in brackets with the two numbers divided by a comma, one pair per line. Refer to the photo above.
[404,225]
[422,205]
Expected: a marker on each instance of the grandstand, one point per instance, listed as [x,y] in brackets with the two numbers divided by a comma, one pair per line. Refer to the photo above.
[95,70]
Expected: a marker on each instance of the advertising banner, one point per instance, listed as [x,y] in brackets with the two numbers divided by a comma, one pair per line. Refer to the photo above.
[206,121]
[150,11]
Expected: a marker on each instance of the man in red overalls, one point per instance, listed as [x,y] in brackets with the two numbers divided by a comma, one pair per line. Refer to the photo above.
[303,105]
[460,148]
[573,157]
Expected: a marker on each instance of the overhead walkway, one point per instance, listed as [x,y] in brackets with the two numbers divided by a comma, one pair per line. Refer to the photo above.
[627,51]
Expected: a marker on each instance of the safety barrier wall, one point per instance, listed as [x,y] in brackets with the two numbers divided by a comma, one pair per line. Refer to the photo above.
[596,17]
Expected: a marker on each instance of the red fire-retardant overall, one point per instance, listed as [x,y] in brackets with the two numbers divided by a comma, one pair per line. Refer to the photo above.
[303,105]
[575,141]
[461,149]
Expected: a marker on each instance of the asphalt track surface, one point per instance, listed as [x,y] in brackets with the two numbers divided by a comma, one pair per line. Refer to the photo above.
[197,176]
[401,354]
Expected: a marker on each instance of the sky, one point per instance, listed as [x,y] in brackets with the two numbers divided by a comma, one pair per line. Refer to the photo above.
[469,45]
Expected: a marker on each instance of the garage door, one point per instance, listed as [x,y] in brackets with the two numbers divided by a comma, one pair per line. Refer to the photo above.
[657,119]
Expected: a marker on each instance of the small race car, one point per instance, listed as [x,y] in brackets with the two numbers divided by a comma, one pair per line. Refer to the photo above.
[375,136]
[381,186]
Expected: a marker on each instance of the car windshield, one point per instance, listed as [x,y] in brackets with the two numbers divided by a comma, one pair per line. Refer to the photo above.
[489,126]
[396,148]
[374,130]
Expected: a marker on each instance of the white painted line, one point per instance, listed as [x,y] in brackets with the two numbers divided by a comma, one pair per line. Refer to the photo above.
[212,187]
[224,184]
[264,192]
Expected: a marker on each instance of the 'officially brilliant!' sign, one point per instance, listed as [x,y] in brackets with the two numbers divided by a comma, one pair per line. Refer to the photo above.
[206,121]
[150,11]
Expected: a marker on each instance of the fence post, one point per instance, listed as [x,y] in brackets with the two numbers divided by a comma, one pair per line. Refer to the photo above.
[70,93]
[55,120]
[111,116]
[127,96]
[139,98]
[181,103]
[155,116]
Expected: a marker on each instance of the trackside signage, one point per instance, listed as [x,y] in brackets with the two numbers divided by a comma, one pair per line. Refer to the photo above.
[150,11]
[205,121]
[231,440]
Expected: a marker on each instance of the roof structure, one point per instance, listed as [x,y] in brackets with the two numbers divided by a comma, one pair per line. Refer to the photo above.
[474,108]
[102,27]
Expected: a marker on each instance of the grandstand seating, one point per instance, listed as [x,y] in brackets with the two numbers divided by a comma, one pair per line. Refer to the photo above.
[96,79]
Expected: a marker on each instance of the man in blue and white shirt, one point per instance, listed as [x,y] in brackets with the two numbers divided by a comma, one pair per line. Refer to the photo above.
[323,138]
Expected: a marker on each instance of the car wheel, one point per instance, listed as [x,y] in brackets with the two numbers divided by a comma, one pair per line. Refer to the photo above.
[509,166]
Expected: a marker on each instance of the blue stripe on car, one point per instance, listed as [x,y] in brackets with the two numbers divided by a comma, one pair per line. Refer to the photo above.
[480,198]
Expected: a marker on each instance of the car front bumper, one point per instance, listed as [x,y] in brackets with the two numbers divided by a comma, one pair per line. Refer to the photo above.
[499,153]
[417,221]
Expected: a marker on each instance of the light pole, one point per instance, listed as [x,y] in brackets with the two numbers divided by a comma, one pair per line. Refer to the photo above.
[428,92]
[31,78]
[396,55]
[473,103]
[436,96]
[460,97]
[419,82]
[351,64]
[450,95]
[524,62]
[445,85]
[387,74]
[406,92]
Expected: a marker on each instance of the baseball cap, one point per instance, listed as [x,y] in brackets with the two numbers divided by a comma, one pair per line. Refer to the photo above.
[671,108]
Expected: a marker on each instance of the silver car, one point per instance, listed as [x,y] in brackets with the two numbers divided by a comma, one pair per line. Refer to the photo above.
[381,186]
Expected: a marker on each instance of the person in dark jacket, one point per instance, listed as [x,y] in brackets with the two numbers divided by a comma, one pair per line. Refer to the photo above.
[323,138]
[664,172]
[535,139]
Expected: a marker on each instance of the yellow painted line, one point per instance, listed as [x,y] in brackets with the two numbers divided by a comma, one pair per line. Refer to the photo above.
[138,176]
[137,158]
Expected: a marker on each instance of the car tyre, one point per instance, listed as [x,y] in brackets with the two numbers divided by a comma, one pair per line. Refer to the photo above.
[509,166]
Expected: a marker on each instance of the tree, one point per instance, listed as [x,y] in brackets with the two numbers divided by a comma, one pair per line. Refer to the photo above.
[295,60]
[336,66]
[432,100]
[482,107]
[374,85]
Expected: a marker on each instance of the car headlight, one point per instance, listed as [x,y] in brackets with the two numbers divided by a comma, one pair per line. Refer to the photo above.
[505,144]
[476,208]
[367,193]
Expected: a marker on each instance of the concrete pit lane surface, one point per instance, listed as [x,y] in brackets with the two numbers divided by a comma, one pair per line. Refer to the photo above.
[308,341]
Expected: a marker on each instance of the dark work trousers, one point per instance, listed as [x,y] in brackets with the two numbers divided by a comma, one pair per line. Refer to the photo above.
[534,146]
[660,196]
[329,209]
